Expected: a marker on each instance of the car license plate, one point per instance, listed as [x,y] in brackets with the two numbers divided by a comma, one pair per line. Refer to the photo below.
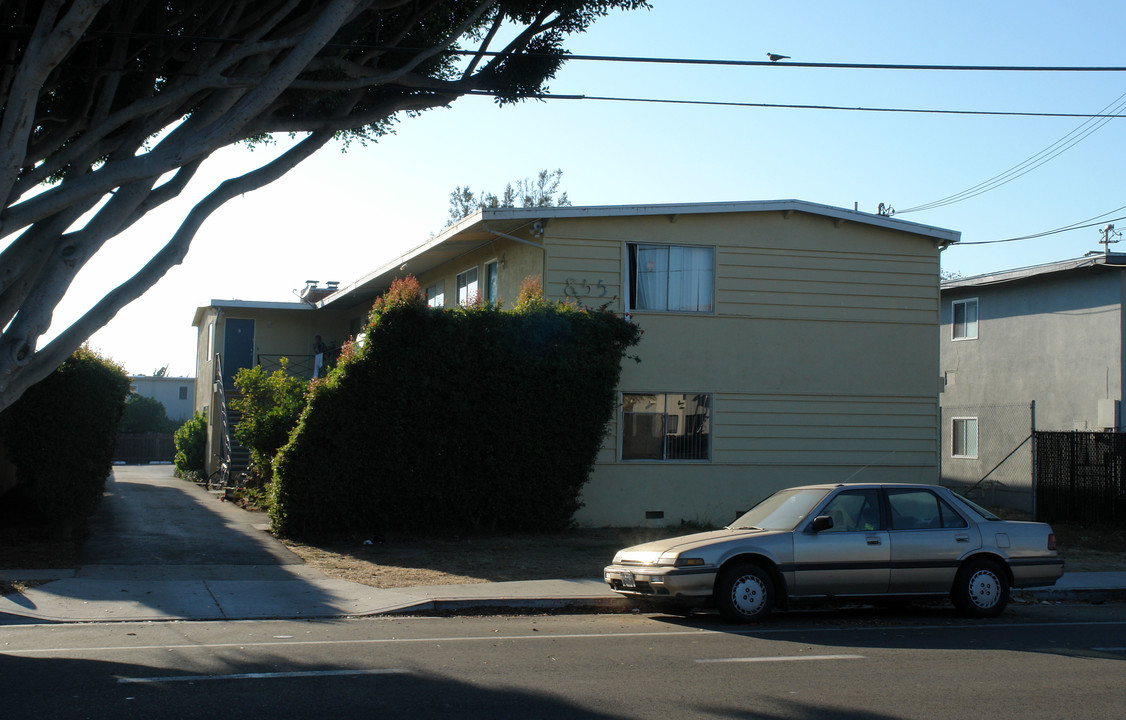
[627,580]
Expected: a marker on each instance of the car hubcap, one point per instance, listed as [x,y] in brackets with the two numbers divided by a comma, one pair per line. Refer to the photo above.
[748,595]
[985,589]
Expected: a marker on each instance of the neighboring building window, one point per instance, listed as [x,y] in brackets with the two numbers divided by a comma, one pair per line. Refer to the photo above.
[671,278]
[183,392]
[965,319]
[964,443]
[210,341]
[435,297]
[666,426]
[467,287]
[491,273]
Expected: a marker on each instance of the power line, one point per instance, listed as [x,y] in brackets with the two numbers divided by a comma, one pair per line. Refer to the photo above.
[1098,220]
[796,106]
[26,30]
[1077,135]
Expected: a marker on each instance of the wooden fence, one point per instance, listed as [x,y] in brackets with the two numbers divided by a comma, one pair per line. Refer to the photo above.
[144,448]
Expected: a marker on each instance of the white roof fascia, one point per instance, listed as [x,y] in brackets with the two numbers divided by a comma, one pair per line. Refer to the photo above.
[949,236]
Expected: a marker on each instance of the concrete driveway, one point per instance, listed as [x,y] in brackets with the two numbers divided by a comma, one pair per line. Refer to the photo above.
[150,522]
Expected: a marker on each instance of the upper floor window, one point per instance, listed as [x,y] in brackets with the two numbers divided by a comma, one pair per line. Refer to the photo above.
[467,287]
[491,275]
[965,319]
[666,426]
[671,278]
[435,295]
[183,392]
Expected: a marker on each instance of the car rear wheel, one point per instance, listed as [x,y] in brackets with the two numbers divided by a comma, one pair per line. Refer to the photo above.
[981,589]
[744,593]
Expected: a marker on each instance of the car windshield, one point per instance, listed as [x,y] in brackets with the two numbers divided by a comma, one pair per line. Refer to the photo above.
[781,511]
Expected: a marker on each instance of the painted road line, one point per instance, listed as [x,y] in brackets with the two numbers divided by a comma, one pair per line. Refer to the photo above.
[262,676]
[782,658]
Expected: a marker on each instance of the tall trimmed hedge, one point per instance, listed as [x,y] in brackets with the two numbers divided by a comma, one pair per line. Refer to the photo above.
[454,420]
[61,435]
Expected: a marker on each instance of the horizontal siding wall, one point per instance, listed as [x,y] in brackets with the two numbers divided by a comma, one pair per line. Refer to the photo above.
[844,431]
[823,284]
[586,271]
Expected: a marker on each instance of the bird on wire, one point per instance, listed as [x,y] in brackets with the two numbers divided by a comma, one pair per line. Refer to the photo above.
[775,57]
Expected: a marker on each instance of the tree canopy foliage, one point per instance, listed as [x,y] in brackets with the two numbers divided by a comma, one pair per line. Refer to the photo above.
[540,192]
[109,108]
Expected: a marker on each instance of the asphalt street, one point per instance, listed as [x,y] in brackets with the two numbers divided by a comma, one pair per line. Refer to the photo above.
[1038,661]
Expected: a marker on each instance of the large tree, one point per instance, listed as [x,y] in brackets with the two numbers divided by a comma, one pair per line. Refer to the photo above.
[111,106]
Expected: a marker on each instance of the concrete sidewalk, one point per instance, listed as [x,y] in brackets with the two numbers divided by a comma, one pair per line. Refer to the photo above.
[307,594]
[228,594]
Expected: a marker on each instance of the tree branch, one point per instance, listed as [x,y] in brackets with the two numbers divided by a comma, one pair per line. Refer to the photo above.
[21,368]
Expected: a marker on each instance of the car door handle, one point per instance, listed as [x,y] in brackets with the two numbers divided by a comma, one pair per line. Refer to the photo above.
[962,538]
[873,541]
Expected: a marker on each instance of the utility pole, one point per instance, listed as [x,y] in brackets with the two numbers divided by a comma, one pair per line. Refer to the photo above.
[1107,232]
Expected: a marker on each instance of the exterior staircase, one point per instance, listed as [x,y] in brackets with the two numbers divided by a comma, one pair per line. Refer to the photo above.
[240,454]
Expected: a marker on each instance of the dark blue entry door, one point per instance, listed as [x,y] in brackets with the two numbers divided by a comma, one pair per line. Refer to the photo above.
[238,348]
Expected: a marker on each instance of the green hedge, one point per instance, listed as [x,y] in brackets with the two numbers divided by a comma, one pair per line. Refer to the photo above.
[61,435]
[455,420]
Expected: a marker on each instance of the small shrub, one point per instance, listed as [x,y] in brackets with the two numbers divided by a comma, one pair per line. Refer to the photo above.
[191,448]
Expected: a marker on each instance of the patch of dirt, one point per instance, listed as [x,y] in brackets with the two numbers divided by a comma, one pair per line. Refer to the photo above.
[415,562]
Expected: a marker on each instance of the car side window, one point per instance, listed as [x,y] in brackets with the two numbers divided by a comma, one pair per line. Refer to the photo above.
[854,511]
[921,510]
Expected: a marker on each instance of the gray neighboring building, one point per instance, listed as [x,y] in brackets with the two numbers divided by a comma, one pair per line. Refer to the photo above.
[177,394]
[1050,335]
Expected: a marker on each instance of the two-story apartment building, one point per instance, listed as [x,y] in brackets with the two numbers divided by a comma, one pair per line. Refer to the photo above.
[784,342]
[1051,335]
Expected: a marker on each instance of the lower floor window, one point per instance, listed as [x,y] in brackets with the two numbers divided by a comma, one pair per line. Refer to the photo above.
[666,426]
[964,442]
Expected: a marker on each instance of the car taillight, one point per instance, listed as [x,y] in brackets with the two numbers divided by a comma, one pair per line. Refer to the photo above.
[1051,541]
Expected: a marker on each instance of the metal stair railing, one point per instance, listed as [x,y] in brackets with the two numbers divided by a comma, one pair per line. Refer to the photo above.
[221,477]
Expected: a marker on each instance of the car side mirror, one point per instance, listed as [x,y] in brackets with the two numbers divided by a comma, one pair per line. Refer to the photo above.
[821,522]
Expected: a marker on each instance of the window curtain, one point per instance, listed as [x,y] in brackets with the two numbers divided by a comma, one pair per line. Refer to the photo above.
[691,280]
[652,277]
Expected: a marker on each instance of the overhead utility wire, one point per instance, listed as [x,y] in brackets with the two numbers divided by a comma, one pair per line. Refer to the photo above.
[26,30]
[794,106]
[1116,108]
[1066,228]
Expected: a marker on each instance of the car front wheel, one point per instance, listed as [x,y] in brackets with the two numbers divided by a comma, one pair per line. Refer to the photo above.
[981,589]
[744,593]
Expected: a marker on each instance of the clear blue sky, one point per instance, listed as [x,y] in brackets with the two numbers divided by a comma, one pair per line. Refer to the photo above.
[340,215]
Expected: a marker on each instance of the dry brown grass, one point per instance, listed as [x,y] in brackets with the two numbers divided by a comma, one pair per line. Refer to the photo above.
[455,561]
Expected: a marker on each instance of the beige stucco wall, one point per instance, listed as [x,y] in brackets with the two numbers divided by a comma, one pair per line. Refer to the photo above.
[821,358]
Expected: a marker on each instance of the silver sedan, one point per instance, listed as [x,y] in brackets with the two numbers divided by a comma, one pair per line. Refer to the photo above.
[848,541]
